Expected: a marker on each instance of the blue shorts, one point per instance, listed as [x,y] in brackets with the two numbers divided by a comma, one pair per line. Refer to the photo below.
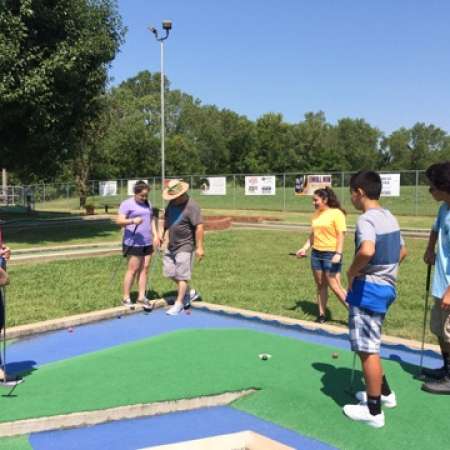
[322,261]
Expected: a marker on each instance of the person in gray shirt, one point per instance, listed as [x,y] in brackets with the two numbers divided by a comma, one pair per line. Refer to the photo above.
[184,223]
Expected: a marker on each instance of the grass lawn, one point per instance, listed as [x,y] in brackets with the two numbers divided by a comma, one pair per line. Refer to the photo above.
[65,234]
[243,268]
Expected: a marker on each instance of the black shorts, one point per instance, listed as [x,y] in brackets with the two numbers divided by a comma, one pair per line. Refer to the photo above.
[137,250]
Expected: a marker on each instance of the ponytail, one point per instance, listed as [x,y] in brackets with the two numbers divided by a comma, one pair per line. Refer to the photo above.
[329,197]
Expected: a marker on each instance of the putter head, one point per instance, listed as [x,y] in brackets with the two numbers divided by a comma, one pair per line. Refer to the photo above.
[420,376]
[10,382]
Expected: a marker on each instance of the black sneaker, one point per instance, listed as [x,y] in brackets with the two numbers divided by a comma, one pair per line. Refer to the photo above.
[321,319]
[441,387]
[435,374]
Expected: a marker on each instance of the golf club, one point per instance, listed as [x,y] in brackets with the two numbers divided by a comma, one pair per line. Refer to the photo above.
[116,269]
[425,313]
[351,388]
[8,382]
[314,257]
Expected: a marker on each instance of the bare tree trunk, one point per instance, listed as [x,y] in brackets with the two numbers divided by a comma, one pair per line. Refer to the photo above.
[82,177]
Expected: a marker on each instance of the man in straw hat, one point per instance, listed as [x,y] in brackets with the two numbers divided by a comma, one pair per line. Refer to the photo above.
[183,220]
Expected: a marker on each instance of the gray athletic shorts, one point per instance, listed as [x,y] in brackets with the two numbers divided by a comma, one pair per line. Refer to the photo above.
[178,265]
[365,330]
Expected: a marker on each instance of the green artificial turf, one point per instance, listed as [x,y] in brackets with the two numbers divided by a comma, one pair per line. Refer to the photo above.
[16,443]
[301,387]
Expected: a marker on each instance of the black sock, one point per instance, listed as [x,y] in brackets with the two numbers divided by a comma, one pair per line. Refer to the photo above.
[385,389]
[374,404]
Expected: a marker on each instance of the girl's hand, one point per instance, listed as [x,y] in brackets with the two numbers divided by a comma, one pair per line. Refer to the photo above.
[301,253]
[137,220]
[337,258]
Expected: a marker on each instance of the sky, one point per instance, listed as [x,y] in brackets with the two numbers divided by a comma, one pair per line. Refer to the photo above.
[387,61]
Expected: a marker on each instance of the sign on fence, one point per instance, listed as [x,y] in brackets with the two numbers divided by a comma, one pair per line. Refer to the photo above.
[391,184]
[130,186]
[107,188]
[260,185]
[306,185]
[213,186]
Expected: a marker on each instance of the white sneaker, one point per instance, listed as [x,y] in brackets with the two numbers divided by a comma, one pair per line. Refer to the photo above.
[175,309]
[194,295]
[361,413]
[191,296]
[388,401]
[127,302]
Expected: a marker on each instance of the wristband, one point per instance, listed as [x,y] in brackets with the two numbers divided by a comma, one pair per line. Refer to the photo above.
[338,253]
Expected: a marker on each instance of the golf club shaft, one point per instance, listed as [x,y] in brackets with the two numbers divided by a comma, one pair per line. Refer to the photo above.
[352,374]
[3,306]
[116,269]
[427,295]
[313,257]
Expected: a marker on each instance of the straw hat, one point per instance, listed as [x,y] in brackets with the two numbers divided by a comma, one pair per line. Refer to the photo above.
[175,189]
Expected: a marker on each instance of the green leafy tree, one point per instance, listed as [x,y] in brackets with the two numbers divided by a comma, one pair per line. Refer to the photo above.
[54,56]
[314,144]
[416,148]
[357,144]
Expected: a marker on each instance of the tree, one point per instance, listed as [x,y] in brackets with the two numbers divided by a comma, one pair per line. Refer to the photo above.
[314,144]
[357,144]
[53,70]
[416,148]
[274,147]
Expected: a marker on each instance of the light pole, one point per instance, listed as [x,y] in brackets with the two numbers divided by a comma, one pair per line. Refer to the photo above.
[167,26]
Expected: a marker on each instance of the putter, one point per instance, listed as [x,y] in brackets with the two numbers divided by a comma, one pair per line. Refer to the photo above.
[8,382]
[116,269]
[425,313]
[156,255]
[351,388]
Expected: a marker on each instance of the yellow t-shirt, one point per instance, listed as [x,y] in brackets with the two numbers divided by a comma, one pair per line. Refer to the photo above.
[326,225]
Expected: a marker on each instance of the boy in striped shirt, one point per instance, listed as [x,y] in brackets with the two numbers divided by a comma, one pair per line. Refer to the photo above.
[371,290]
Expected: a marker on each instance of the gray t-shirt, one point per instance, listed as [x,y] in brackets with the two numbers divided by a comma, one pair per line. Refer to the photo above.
[181,221]
[381,227]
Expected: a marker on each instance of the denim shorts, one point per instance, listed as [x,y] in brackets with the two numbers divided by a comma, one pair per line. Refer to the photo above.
[322,261]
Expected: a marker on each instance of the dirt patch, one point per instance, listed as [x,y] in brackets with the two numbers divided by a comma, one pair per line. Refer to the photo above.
[254,219]
[217,222]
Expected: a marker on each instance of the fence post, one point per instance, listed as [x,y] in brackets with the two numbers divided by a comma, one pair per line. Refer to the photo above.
[342,188]
[234,191]
[284,192]
[417,193]
[43,193]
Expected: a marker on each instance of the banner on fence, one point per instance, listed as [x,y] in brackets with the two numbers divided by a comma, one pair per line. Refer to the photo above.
[264,185]
[306,185]
[130,186]
[391,184]
[107,188]
[213,186]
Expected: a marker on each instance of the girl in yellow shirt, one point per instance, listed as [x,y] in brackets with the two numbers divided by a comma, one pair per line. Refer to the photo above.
[327,241]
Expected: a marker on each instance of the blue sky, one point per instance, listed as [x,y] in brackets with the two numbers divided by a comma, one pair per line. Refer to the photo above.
[385,61]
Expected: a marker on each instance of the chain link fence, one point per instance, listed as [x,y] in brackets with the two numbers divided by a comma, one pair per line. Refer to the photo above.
[413,200]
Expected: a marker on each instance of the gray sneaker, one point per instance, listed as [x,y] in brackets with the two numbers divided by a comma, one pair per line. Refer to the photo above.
[441,386]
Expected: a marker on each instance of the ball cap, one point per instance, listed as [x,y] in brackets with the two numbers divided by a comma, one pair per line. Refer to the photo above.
[175,189]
